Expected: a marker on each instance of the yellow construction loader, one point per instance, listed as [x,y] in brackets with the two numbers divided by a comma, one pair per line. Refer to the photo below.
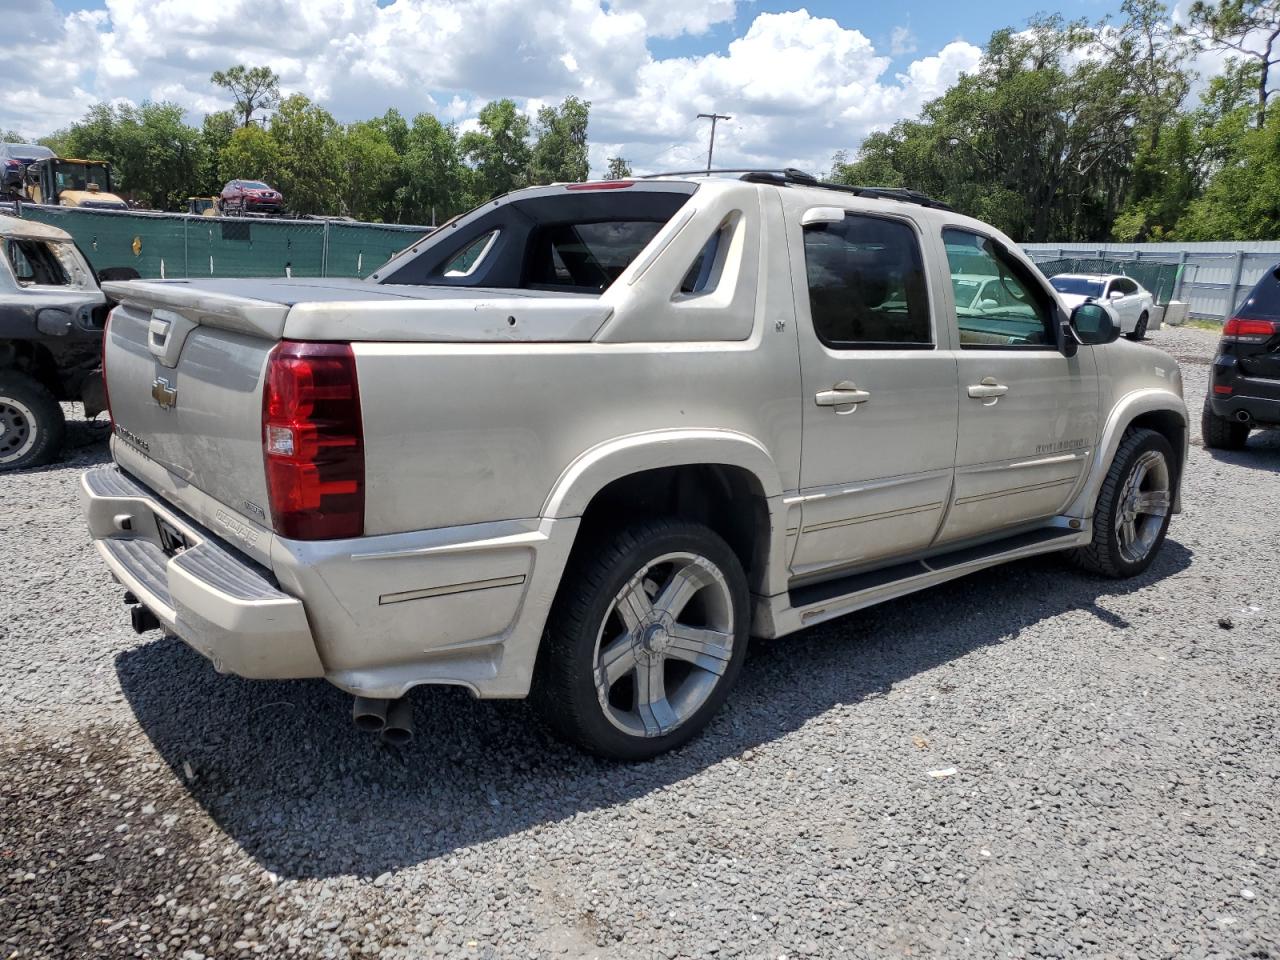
[71,183]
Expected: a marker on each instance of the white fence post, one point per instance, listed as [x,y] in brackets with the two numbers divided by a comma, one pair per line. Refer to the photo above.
[1234,289]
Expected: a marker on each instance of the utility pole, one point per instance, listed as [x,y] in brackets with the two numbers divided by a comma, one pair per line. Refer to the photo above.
[713,117]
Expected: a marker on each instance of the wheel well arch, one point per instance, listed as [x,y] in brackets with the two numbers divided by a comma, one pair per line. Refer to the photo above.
[1153,409]
[728,499]
[33,359]
[1169,424]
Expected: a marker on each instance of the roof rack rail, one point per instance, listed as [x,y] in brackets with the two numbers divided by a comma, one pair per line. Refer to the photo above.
[790,175]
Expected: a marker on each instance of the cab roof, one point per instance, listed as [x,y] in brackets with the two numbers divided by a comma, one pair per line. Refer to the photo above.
[15,228]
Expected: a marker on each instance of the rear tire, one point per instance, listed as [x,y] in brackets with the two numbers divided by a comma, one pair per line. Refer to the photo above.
[645,639]
[1140,331]
[32,425]
[1134,507]
[1221,433]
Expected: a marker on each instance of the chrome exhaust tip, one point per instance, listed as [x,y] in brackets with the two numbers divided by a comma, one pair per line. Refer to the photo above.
[1242,416]
[369,714]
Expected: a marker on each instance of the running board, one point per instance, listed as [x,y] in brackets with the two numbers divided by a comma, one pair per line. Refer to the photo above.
[816,602]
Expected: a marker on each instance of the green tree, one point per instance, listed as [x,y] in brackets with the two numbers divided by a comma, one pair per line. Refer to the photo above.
[434,183]
[310,171]
[499,150]
[252,89]
[1249,28]
[215,134]
[251,154]
[560,146]
[1241,200]
[154,154]
[370,166]
[1038,140]
[618,169]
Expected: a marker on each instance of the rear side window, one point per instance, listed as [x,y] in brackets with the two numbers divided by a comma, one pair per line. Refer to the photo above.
[36,263]
[586,256]
[1009,309]
[866,284]
[1263,302]
[468,258]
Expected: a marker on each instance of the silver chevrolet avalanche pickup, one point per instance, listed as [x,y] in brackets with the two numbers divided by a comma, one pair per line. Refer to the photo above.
[582,442]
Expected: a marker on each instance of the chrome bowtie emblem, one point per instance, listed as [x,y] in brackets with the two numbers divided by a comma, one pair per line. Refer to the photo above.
[164,394]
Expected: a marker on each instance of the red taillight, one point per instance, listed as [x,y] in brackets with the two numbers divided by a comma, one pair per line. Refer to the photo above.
[1250,331]
[1220,388]
[313,441]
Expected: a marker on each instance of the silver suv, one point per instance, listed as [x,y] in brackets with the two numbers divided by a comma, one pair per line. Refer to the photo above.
[583,441]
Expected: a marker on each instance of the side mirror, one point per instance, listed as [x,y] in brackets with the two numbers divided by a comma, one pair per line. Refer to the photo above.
[986,303]
[1093,325]
[1115,294]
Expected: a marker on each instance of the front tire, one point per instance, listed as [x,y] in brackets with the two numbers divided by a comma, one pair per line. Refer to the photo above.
[1134,507]
[32,425]
[1220,433]
[644,641]
[1140,330]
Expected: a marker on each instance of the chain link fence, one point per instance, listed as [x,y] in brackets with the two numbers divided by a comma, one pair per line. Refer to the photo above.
[1215,276]
[180,246]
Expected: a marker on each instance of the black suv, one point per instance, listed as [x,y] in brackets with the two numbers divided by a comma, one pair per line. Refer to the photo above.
[1244,385]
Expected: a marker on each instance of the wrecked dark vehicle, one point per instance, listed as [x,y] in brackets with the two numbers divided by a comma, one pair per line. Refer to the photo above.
[51,317]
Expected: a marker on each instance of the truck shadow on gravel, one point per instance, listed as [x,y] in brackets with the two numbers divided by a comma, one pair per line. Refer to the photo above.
[280,769]
[1262,452]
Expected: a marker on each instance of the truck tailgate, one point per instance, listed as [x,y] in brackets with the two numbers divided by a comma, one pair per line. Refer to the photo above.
[186,396]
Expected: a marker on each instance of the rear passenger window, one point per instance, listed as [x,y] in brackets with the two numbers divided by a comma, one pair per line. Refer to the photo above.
[704,274]
[997,303]
[465,261]
[866,284]
[586,256]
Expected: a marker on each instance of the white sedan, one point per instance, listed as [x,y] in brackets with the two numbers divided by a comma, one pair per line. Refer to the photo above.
[1132,305]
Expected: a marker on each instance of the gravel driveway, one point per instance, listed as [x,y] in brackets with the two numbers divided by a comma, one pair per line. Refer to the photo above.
[1115,786]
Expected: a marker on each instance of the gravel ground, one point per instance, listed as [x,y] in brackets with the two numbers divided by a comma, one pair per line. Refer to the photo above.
[1114,794]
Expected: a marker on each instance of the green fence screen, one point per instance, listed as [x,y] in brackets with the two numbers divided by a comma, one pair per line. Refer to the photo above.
[179,246]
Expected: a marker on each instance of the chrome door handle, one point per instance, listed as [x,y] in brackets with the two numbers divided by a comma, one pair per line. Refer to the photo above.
[844,396]
[988,391]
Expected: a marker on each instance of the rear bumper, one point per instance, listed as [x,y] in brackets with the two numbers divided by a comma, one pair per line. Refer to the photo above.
[224,606]
[1260,410]
[1257,397]
[375,615]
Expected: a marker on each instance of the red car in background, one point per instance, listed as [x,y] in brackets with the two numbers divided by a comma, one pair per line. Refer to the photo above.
[250,196]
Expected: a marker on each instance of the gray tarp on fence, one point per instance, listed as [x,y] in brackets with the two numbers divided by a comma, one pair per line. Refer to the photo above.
[1213,279]
[176,245]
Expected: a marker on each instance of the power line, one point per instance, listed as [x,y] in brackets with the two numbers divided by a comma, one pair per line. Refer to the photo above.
[713,117]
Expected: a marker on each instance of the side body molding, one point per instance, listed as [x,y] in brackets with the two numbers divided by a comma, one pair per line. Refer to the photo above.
[1125,410]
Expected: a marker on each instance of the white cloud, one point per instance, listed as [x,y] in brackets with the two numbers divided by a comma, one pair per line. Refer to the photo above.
[665,18]
[902,41]
[798,87]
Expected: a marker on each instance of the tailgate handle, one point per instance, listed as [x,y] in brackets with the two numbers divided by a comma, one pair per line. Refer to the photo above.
[166,333]
[158,334]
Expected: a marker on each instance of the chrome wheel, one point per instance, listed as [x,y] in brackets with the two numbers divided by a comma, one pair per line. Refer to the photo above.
[17,429]
[1144,504]
[664,644]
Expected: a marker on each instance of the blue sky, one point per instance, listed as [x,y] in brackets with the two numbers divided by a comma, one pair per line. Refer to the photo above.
[801,80]
[934,22]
